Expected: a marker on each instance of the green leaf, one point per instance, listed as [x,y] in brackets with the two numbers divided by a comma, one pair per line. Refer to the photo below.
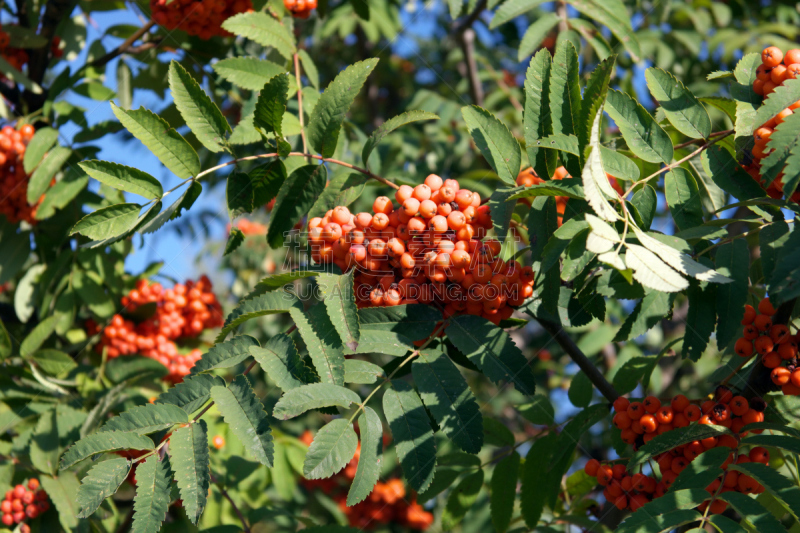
[296,196]
[339,299]
[54,362]
[565,98]
[492,350]
[148,418]
[10,72]
[671,439]
[700,320]
[784,490]
[414,321]
[596,186]
[280,360]
[34,340]
[537,462]
[261,305]
[263,29]
[167,144]
[641,132]
[445,392]
[535,34]
[496,143]
[104,442]
[5,343]
[594,96]
[461,500]
[188,450]
[108,222]
[753,513]
[504,491]
[310,67]
[786,94]
[42,141]
[297,401]
[239,194]
[574,430]
[511,9]
[246,417]
[411,429]
[248,73]
[324,345]
[580,390]
[645,201]
[728,175]
[733,261]
[326,119]
[502,209]
[784,158]
[333,447]
[198,110]
[271,105]
[62,490]
[667,521]
[680,106]
[702,471]
[724,524]
[343,189]
[683,198]
[537,121]
[40,180]
[369,461]
[613,15]
[560,142]
[362,372]
[783,284]
[124,178]
[191,393]
[150,505]
[102,481]
[539,411]
[175,209]
[618,165]
[225,354]
[788,443]
[389,126]
[44,449]
[235,239]
[771,240]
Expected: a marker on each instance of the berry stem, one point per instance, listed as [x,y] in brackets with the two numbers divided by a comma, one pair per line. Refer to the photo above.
[575,353]
[411,356]
[669,167]
[300,154]
[124,47]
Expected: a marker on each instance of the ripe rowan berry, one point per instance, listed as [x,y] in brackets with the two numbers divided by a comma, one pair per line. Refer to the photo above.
[771,56]
[743,347]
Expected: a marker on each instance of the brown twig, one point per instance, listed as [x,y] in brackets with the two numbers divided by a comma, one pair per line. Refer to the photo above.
[296,59]
[301,154]
[123,48]
[679,162]
[575,353]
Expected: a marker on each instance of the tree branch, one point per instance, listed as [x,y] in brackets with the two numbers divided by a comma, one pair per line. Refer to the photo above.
[124,47]
[575,353]
[467,39]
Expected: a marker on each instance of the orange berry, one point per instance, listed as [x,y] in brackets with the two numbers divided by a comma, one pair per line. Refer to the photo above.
[621,404]
[765,307]
[772,56]
[743,347]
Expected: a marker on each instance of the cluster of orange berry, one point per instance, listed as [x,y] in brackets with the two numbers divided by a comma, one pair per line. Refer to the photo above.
[528,178]
[13,179]
[22,503]
[428,250]
[17,57]
[249,228]
[775,68]
[640,422]
[181,312]
[773,342]
[202,18]
[300,8]
[385,504]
